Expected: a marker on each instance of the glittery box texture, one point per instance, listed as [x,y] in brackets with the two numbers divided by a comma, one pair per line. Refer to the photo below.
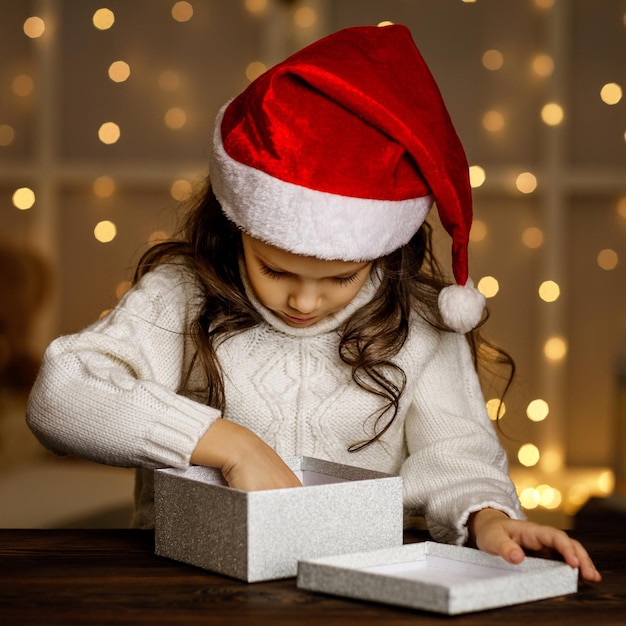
[261,535]
[437,577]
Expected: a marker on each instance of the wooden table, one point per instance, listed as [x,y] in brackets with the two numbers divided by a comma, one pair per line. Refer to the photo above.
[92,577]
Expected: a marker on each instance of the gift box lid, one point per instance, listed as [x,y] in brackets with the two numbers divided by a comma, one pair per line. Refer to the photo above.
[437,577]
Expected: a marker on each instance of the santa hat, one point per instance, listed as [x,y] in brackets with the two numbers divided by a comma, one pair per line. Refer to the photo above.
[338,153]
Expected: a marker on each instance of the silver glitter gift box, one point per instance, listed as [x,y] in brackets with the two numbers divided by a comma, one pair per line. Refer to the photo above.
[261,535]
[437,577]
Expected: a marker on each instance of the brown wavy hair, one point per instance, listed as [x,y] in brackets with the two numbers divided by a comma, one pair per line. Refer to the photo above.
[209,244]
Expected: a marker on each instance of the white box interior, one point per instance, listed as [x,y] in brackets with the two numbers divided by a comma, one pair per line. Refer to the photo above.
[436,570]
[308,478]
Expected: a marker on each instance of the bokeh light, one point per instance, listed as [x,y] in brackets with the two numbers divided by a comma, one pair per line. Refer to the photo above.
[181,189]
[532,237]
[478,231]
[23,198]
[103,19]
[34,27]
[7,135]
[119,71]
[175,118]
[493,60]
[103,187]
[526,182]
[109,133]
[254,70]
[23,85]
[528,455]
[477,176]
[496,409]
[537,410]
[611,93]
[549,291]
[493,121]
[182,11]
[256,6]
[543,65]
[105,231]
[555,349]
[488,286]
[607,259]
[552,114]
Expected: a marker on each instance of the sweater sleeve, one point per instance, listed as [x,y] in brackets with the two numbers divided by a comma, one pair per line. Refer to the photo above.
[456,465]
[108,393]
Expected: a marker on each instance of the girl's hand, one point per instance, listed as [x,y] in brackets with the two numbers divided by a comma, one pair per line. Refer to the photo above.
[494,532]
[245,460]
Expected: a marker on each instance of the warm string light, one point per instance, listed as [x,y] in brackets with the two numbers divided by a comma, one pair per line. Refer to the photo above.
[7,135]
[254,70]
[549,291]
[109,133]
[496,409]
[181,189]
[119,71]
[256,7]
[532,237]
[103,187]
[537,410]
[477,176]
[493,60]
[526,182]
[552,114]
[493,121]
[488,286]
[607,259]
[23,198]
[34,27]
[103,19]
[182,11]
[105,231]
[611,93]
[305,17]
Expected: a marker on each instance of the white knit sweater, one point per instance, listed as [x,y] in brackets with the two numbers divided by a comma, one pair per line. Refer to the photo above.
[108,394]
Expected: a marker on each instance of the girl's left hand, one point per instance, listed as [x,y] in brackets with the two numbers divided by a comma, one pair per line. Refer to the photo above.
[494,532]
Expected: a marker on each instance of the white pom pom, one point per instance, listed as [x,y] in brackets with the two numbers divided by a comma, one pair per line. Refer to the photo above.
[461,307]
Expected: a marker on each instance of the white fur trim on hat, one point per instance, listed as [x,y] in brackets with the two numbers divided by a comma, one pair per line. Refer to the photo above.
[461,307]
[309,222]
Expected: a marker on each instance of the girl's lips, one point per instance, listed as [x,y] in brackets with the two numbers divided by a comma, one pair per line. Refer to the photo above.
[299,320]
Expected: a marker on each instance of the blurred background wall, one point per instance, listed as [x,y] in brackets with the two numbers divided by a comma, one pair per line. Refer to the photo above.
[106,111]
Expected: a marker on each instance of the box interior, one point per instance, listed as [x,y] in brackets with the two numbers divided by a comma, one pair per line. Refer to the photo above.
[208,475]
[309,478]
[437,570]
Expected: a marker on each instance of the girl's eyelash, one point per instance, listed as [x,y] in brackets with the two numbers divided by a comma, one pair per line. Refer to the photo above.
[268,271]
[348,279]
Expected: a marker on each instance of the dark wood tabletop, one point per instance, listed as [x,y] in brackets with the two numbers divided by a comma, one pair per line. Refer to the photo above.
[93,577]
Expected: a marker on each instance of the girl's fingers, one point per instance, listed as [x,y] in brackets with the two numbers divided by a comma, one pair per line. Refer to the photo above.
[535,537]
[508,539]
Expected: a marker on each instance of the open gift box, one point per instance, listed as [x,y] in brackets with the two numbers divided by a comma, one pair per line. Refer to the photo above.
[261,535]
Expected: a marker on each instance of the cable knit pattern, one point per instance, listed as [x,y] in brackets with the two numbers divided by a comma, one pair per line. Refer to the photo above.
[109,394]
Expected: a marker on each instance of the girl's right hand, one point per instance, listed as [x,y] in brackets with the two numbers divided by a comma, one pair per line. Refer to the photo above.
[244,459]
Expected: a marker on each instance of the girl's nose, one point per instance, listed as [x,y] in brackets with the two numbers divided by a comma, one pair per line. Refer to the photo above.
[304,298]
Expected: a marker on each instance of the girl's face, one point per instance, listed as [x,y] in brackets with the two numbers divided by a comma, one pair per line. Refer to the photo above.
[301,290]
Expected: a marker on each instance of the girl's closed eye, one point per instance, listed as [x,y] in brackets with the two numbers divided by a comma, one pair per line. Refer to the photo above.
[276,274]
[347,280]
[268,271]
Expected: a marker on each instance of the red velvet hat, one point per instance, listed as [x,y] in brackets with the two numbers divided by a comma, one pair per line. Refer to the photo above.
[338,153]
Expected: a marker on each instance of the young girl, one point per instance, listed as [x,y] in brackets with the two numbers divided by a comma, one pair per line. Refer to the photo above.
[301,311]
